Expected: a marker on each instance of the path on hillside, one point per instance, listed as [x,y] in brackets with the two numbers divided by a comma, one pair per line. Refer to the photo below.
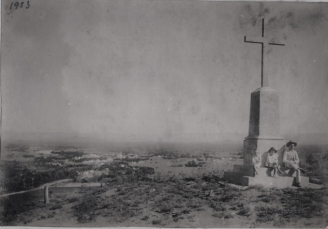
[40,187]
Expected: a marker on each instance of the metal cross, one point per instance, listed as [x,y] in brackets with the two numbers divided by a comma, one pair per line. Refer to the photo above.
[264,80]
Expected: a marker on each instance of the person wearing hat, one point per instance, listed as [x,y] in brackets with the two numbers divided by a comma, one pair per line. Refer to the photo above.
[272,161]
[291,161]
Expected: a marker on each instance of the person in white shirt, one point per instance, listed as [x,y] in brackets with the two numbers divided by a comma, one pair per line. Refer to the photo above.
[291,161]
[256,159]
[272,161]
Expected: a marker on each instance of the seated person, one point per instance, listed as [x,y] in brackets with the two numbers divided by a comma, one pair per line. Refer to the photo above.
[256,159]
[272,161]
[291,161]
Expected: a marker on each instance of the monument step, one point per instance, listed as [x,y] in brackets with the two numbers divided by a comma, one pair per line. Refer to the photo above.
[278,182]
[233,177]
[266,181]
[247,170]
[266,172]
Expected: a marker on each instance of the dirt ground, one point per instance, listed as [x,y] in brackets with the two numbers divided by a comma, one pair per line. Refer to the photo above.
[187,202]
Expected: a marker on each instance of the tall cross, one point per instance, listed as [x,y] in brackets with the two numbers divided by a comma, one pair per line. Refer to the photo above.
[264,43]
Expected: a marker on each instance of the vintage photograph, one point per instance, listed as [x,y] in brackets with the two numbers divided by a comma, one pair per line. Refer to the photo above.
[164,113]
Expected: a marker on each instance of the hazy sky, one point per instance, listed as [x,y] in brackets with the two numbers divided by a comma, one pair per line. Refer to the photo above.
[159,67]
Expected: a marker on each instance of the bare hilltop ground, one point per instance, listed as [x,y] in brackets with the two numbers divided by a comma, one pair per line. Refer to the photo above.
[158,189]
[199,202]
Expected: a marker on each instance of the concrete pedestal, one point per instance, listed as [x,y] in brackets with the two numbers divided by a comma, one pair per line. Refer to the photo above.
[264,113]
[264,129]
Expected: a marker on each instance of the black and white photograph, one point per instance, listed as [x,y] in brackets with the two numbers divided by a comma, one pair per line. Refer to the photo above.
[164,114]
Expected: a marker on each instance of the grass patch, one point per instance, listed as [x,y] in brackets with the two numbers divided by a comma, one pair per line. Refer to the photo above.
[266,213]
[304,203]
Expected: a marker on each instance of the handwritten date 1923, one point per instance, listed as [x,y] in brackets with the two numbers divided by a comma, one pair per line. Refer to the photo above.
[16,5]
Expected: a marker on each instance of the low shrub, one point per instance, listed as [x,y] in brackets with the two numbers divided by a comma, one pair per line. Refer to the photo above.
[85,210]
[244,211]
[156,222]
[57,206]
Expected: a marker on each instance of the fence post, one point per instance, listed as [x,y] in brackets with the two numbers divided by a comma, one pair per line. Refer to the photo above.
[46,195]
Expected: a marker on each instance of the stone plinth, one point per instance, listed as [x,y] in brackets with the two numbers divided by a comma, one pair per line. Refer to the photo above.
[264,114]
[263,125]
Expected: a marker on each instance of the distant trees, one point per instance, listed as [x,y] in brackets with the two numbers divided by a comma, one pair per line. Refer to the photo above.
[192,164]
[166,154]
[17,147]
[68,154]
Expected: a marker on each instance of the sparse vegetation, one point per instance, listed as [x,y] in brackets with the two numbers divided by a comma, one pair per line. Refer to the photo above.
[86,209]
[132,194]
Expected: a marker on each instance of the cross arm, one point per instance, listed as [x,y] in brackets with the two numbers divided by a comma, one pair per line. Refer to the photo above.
[276,44]
[256,42]
[263,40]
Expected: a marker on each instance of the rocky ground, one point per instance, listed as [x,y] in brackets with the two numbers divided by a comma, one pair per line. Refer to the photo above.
[202,201]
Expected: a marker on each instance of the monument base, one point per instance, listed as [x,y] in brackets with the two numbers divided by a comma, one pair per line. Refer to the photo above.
[243,175]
